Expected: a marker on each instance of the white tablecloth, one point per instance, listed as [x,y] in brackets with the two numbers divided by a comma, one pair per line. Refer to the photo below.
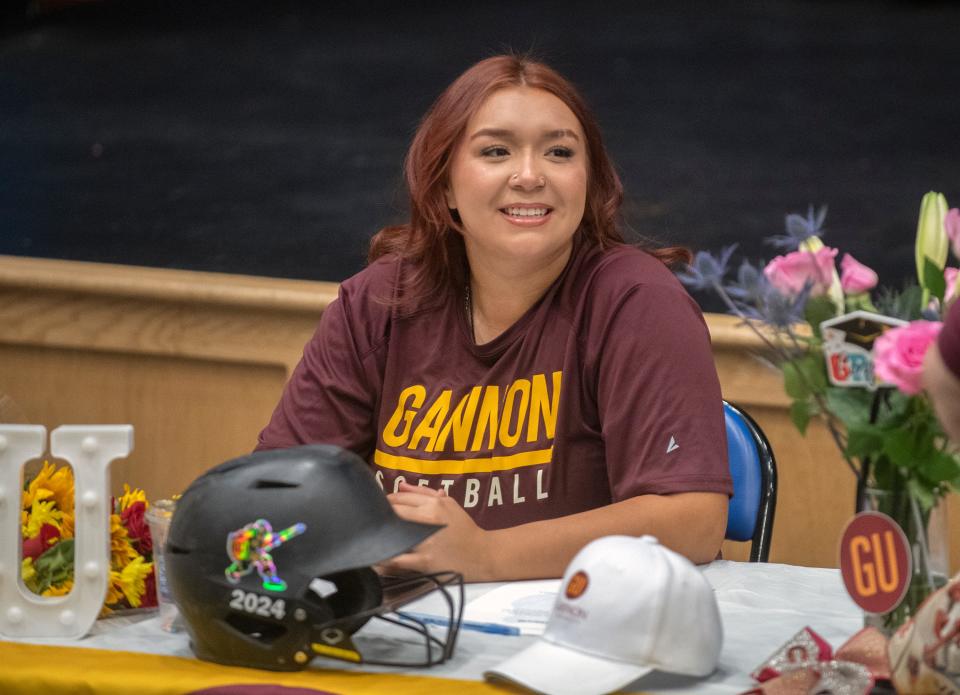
[762,605]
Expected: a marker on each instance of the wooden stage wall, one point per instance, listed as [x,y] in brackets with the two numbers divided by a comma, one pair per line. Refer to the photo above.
[196,362]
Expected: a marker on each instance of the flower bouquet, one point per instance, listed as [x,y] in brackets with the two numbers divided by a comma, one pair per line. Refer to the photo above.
[47,528]
[851,355]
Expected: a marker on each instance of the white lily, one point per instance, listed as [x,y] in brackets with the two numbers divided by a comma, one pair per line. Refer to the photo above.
[932,241]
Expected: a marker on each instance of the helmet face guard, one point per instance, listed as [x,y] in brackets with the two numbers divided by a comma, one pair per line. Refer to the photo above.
[270,558]
[422,648]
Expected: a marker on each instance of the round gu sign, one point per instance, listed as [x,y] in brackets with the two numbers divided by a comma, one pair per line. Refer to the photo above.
[875,562]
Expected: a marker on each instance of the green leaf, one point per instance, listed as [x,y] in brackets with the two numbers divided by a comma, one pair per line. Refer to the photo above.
[902,304]
[793,382]
[805,375]
[933,279]
[817,310]
[886,475]
[817,371]
[940,467]
[54,565]
[900,446]
[859,301]
[863,441]
[851,405]
[923,495]
[800,414]
[895,411]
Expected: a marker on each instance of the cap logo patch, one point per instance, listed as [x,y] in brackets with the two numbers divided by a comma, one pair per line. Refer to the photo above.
[249,548]
[577,585]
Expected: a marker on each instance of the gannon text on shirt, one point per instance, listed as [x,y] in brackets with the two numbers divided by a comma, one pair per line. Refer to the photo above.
[505,430]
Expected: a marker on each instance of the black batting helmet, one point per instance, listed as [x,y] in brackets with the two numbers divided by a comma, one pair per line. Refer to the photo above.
[269,561]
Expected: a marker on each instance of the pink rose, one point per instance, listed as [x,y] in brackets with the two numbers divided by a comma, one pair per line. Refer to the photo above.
[791,272]
[952,224]
[950,277]
[855,277]
[898,354]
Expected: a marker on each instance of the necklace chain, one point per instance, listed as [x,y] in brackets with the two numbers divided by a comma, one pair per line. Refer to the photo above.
[468,307]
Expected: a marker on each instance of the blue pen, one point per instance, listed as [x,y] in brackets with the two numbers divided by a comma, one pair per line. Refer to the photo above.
[489,628]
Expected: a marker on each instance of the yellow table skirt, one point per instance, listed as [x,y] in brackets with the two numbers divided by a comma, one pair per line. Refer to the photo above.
[29,669]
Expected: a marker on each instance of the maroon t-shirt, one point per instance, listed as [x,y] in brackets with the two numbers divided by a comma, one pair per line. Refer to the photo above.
[605,389]
[948,342]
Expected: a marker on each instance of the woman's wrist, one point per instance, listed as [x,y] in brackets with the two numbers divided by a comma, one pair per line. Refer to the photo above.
[483,565]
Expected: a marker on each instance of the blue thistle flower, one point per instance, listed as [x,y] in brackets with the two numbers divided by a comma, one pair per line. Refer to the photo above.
[707,271]
[750,283]
[799,228]
[777,309]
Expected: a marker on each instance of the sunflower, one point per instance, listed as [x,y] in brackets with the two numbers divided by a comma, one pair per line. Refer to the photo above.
[121,550]
[133,580]
[59,589]
[66,525]
[130,496]
[41,513]
[60,485]
[27,571]
[114,590]
[48,499]
[39,488]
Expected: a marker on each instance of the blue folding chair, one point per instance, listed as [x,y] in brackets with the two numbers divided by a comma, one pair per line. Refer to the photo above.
[754,471]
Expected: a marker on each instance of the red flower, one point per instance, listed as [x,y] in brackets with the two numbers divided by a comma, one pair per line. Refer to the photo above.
[149,599]
[133,520]
[35,547]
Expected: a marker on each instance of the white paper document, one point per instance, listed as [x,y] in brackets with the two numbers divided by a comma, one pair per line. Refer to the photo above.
[518,608]
[525,606]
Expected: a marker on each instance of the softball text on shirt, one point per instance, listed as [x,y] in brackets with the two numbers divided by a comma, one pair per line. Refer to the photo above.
[498,430]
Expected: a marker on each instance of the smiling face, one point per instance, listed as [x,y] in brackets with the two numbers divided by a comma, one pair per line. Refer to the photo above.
[518,179]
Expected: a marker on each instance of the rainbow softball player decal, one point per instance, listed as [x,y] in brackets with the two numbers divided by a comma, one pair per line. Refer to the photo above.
[250,548]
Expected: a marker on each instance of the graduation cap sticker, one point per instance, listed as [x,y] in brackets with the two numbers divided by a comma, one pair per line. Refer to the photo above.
[847,344]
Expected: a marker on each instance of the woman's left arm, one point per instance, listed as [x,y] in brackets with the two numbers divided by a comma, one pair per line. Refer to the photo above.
[691,523]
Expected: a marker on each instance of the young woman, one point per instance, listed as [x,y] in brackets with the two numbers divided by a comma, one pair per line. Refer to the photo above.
[508,366]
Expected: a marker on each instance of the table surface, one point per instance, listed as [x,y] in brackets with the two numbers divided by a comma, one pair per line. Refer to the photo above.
[762,605]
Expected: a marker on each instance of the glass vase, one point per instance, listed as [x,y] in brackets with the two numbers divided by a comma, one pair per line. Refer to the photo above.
[927,536]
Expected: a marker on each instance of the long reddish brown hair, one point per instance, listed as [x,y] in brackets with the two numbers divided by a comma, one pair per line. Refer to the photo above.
[430,239]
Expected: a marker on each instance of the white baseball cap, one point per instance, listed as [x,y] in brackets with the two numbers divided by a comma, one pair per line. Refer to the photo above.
[626,606]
